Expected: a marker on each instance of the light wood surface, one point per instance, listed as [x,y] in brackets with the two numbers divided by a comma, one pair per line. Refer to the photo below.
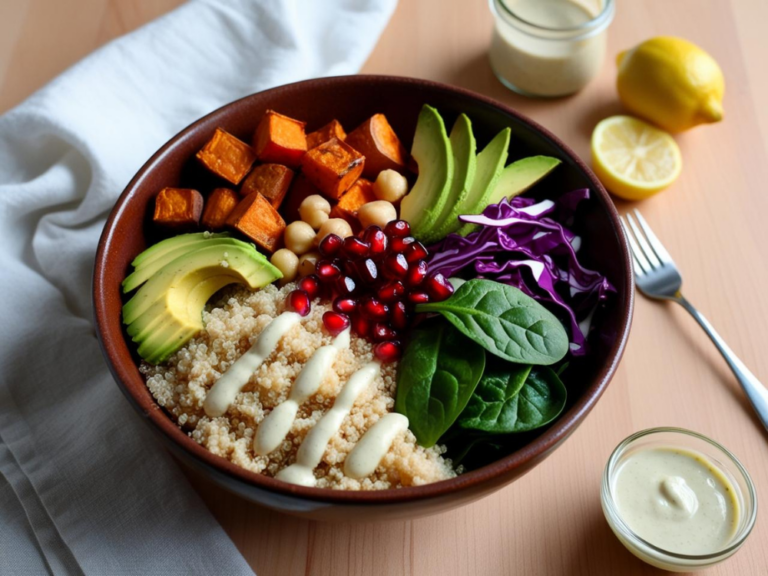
[713,220]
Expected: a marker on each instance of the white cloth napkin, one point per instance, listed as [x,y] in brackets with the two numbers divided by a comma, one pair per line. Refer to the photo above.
[85,488]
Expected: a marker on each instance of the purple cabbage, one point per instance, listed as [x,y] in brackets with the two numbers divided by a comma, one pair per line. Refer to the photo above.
[525,244]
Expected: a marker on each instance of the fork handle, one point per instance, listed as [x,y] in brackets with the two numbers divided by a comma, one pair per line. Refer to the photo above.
[756,392]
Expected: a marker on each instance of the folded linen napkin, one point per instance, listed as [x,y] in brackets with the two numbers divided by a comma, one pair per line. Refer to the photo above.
[84,486]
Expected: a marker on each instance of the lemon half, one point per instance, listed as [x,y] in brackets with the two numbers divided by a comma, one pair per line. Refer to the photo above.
[633,159]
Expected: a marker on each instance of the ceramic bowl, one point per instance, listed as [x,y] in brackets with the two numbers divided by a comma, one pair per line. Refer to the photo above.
[351,99]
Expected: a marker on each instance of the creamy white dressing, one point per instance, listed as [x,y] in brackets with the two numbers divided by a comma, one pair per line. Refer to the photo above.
[275,427]
[677,500]
[375,443]
[313,447]
[226,388]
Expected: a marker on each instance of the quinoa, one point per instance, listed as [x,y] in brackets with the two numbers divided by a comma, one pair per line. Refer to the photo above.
[232,324]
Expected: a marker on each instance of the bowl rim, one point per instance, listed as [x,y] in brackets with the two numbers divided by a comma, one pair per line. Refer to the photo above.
[539,447]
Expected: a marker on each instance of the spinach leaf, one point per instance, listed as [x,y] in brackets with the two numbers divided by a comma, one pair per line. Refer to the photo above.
[501,404]
[504,321]
[435,379]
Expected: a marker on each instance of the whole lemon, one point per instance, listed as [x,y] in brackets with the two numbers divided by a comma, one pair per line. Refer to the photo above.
[671,82]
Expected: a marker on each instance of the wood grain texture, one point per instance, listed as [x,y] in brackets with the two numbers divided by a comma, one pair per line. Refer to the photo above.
[712,220]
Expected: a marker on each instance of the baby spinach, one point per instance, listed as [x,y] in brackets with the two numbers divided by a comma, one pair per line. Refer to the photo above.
[504,321]
[515,399]
[436,377]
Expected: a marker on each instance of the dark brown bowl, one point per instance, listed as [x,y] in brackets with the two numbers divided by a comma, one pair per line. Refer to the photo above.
[351,99]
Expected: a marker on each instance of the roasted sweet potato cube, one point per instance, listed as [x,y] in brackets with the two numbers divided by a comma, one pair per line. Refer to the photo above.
[255,218]
[178,208]
[300,189]
[280,139]
[333,167]
[227,157]
[218,207]
[333,129]
[270,180]
[361,192]
[376,140]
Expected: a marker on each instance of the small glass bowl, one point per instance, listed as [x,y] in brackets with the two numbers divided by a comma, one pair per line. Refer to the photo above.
[726,462]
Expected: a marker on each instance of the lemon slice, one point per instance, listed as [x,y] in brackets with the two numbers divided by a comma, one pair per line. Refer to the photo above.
[633,159]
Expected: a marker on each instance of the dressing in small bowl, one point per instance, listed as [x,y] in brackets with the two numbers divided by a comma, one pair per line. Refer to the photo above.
[677,500]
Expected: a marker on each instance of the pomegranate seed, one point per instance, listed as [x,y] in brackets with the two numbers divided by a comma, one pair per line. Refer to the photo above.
[350,269]
[387,351]
[374,309]
[395,266]
[298,301]
[330,245]
[418,297]
[368,271]
[344,305]
[397,229]
[377,240]
[416,274]
[438,287]
[415,252]
[311,285]
[398,316]
[400,244]
[345,285]
[391,291]
[354,248]
[335,323]
[327,271]
[361,325]
[382,332]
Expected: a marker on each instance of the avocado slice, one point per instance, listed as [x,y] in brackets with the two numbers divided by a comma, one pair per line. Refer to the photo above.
[160,254]
[521,175]
[167,310]
[432,152]
[464,149]
[490,163]
[161,248]
[240,258]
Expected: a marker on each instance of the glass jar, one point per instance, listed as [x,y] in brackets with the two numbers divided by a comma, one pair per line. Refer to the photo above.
[713,453]
[549,47]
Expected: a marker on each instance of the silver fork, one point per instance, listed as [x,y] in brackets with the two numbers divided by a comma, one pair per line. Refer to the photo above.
[657,276]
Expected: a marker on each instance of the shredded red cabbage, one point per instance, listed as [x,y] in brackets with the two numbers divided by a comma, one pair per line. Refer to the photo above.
[526,244]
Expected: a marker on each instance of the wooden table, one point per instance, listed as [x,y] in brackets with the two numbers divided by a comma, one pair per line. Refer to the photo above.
[713,220]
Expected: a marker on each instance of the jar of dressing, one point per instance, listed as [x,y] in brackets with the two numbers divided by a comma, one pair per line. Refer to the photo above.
[677,500]
[549,47]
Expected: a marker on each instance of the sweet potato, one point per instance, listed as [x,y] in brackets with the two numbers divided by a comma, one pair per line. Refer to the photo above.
[269,180]
[280,139]
[381,147]
[333,129]
[178,208]
[361,192]
[300,189]
[255,218]
[218,207]
[227,156]
[333,167]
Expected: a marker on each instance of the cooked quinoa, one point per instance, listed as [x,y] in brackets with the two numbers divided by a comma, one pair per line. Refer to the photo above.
[231,326]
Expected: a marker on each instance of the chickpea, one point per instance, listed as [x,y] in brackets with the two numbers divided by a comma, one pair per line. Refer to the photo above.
[287,262]
[314,210]
[299,237]
[308,263]
[390,186]
[379,213]
[337,226]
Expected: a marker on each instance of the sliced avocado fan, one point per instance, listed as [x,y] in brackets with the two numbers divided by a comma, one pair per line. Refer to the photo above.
[464,149]
[166,311]
[432,152]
